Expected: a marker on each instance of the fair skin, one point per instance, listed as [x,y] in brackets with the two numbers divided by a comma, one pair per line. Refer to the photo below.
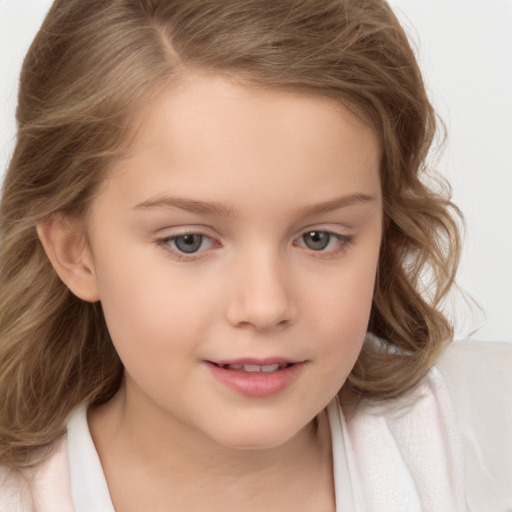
[243,227]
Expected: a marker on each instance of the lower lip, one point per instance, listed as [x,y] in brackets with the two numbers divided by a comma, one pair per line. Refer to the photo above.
[257,384]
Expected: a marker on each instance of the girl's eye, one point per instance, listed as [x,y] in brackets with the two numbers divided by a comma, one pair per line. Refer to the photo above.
[316,240]
[186,244]
[325,241]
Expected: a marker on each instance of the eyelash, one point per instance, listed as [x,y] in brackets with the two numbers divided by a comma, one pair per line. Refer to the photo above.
[166,243]
[343,242]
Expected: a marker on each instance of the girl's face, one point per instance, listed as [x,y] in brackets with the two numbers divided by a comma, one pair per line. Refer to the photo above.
[234,253]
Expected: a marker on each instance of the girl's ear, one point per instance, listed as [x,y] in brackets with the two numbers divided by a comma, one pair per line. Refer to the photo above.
[65,245]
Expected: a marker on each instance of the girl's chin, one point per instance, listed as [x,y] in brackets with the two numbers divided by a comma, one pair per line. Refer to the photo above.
[268,437]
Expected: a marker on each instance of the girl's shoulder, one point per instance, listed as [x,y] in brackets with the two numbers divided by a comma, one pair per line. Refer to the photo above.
[478,367]
[444,445]
[44,487]
[478,376]
[14,490]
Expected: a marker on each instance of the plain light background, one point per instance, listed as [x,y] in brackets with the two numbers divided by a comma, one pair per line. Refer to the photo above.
[465,50]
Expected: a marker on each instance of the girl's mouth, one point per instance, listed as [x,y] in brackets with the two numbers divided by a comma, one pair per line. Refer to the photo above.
[256,378]
[256,368]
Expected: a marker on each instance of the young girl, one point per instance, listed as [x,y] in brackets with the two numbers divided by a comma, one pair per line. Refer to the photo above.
[222,271]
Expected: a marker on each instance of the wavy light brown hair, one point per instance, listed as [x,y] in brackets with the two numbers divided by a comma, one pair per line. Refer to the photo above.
[95,63]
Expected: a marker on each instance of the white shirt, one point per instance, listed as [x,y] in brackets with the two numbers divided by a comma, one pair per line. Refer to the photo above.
[444,447]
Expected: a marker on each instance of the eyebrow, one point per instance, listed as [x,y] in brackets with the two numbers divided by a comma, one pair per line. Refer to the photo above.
[335,204]
[216,208]
[189,205]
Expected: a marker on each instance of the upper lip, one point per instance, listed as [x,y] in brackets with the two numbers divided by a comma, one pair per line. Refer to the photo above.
[256,361]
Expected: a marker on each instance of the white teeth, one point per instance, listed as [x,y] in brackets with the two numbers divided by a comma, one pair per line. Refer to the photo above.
[252,368]
[269,368]
[256,368]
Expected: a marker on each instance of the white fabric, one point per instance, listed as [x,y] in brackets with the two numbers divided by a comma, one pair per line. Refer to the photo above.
[479,379]
[446,446]
[88,485]
[406,456]
[45,488]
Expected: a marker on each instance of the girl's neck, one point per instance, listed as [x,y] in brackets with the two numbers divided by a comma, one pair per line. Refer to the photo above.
[154,465]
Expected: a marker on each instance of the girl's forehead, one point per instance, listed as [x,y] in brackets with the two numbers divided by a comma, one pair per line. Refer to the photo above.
[196,90]
[211,139]
[198,101]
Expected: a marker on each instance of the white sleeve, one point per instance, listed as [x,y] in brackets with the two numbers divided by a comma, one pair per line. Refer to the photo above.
[478,376]
[14,492]
[40,488]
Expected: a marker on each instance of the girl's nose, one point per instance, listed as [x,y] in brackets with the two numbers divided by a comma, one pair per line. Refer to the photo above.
[261,294]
